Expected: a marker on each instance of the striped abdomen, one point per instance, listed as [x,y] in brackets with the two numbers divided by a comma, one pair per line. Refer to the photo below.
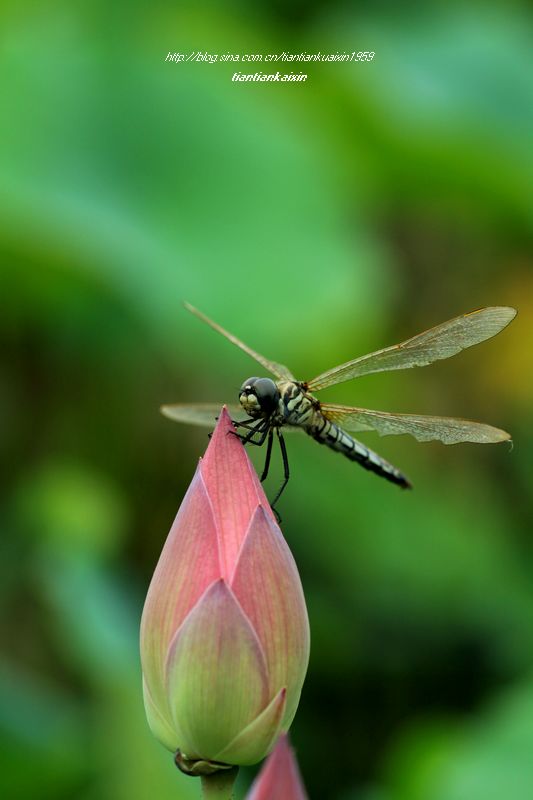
[329,433]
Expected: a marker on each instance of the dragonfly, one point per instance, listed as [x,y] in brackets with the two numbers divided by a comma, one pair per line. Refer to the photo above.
[268,407]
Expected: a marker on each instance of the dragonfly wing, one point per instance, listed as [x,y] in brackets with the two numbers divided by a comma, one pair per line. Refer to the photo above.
[279,370]
[204,414]
[448,430]
[443,341]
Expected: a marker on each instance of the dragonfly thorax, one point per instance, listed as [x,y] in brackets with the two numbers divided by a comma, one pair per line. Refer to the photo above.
[259,397]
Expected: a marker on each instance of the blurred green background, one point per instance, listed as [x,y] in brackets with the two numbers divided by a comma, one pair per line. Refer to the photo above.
[317,221]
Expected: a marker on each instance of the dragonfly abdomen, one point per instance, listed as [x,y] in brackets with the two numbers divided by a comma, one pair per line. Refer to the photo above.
[337,439]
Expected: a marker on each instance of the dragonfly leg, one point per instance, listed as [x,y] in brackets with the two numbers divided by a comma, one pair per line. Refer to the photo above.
[252,426]
[285,468]
[261,427]
[245,423]
[263,435]
[268,454]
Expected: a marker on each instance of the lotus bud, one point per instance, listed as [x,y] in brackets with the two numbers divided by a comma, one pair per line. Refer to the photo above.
[279,776]
[224,631]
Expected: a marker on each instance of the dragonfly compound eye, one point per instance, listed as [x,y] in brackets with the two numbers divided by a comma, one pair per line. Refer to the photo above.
[267,394]
[259,396]
[247,385]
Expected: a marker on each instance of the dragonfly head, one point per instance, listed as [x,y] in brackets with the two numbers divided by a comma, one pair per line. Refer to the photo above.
[259,397]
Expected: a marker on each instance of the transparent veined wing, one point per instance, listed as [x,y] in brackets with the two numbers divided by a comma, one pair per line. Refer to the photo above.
[279,370]
[443,341]
[449,430]
[204,414]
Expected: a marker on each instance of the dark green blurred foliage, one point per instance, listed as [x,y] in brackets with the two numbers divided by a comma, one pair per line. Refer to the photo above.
[317,221]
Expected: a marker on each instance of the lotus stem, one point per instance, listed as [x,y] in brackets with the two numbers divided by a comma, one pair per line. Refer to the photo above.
[219,785]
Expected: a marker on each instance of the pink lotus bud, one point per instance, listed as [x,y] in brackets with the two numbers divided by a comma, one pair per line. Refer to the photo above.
[224,632]
[279,778]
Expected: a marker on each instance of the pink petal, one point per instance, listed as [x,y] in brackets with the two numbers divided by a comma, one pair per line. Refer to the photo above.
[216,674]
[255,741]
[279,776]
[267,586]
[233,488]
[186,567]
